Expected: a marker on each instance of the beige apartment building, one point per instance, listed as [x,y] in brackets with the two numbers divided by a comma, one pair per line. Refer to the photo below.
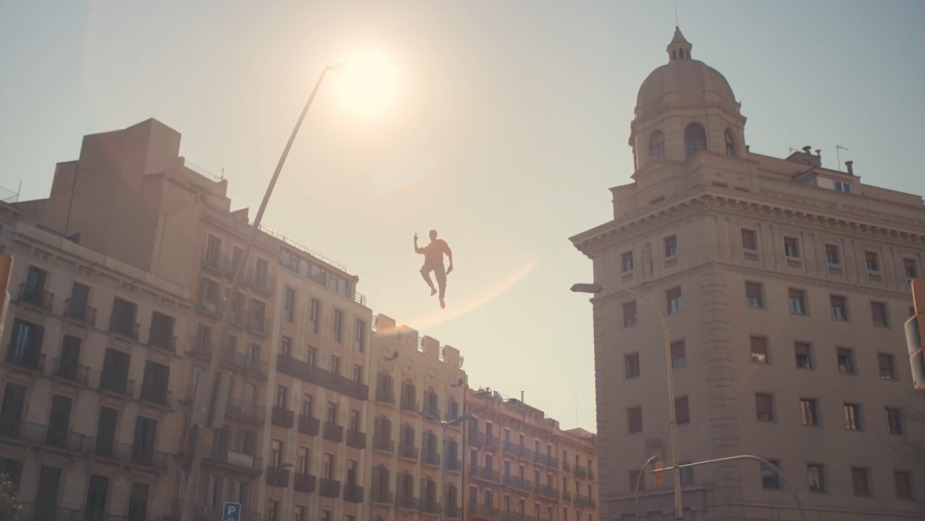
[415,463]
[89,416]
[522,467]
[785,288]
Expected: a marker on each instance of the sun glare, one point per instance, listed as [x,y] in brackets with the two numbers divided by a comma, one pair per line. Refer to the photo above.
[368,83]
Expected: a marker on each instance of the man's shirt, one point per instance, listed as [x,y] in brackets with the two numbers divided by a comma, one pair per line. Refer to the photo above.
[436,249]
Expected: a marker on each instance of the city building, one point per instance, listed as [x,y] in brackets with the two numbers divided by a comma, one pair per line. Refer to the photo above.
[522,467]
[785,288]
[415,464]
[90,375]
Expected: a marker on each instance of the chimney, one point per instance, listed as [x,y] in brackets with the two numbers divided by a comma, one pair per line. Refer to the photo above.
[818,152]
[807,149]
[850,166]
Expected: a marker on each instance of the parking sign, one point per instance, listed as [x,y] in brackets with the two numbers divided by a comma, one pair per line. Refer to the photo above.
[231,511]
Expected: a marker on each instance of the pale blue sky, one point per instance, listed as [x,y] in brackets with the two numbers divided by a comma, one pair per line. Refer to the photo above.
[511,124]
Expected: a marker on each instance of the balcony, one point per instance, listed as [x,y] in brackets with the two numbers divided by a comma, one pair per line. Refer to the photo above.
[309,425]
[333,432]
[518,450]
[406,501]
[258,325]
[260,280]
[453,465]
[200,347]
[546,491]
[430,458]
[277,477]
[431,413]
[590,474]
[30,358]
[124,328]
[165,341]
[282,417]
[79,312]
[156,396]
[353,493]
[453,511]
[302,370]
[581,472]
[35,297]
[125,453]
[117,384]
[237,460]
[385,395]
[483,512]
[246,411]
[39,435]
[329,488]
[751,255]
[431,506]
[566,467]
[409,404]
[408,451]
[244,362]
[566,496]
[382,497]
[356,439]
[517,482]
[545,459]
[383,444]
[585,502]
[217,263]
[484,473]
[71,372]
[517,516]
[304,482]
[47,511]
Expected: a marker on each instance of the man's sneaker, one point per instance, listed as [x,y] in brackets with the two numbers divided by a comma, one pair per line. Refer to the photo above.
[442,303]
[433,291]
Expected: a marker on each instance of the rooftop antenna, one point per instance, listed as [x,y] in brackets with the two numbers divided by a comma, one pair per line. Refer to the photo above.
[675,14]
[791,149]
[838,156]
[223,174]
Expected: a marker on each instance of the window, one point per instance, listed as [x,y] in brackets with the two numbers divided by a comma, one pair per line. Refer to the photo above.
[282,394]
[681,411]
[285,346]
[885,362]
[695,138]
[804,356]
[797,301]
[878,313]
[332,413]
[852,416]
[687,476]
[310,356]
[894,420]
[657,144]
[632,365]
[357,373]
[678,357]
[289,305]
[730,143]
[753,298]
[338,325]
[839,308]
[629,314]
[313,313]
[749,239]
[792,247]
[674,300]
[759,349]
[634,478]
[870,258]
[808,413]
[860,480]
[359,334]
[769,478]
[213,250]
[671,246]
[764,407]
[815,476]
[842,187]
[831,254]
[903,481]
[626,260]
[845,358]
[272,510]
[327,470]
[335,364]
[910,269]
[304,460]
[276,453]
[633,419]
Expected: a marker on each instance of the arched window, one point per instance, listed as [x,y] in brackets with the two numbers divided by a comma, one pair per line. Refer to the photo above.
[657,144]
[730,143]
[695,138]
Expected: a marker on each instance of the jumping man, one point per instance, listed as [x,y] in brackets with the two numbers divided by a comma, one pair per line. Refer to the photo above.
[433,261]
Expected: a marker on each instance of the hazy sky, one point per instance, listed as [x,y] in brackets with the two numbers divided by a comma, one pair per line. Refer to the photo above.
[510,124]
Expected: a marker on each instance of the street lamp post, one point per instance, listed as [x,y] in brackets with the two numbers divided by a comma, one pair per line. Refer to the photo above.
[204,398]
[443,424]
[672,421]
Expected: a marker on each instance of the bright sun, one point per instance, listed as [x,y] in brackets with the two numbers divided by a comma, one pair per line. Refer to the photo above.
[368,83]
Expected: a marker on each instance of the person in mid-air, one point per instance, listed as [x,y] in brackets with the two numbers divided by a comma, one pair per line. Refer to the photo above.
[433,261]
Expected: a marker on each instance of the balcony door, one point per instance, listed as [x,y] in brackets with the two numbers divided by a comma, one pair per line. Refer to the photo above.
[106,431]
[58,421]
[46,499]
[95,509]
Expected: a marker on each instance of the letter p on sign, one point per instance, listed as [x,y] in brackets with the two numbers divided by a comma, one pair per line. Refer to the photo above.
[231,512]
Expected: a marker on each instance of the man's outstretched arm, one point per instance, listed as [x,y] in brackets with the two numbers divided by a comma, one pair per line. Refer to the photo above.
[416,248]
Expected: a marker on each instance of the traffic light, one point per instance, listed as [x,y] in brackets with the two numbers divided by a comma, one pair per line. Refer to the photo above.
[6,266]
[659,473]
[914,327]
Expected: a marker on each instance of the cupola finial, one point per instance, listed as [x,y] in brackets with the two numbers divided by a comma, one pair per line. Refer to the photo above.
[679,48]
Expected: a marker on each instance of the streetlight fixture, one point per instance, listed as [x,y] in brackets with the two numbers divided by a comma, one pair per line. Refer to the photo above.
[672,421]
[206,389]
[462,460]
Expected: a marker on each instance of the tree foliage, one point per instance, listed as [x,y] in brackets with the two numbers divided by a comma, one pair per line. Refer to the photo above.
[10,508]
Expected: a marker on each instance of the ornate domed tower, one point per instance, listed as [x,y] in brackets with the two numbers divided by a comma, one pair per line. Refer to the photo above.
[682,107]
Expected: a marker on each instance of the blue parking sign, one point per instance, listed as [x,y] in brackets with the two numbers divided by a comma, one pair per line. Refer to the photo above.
[231,511]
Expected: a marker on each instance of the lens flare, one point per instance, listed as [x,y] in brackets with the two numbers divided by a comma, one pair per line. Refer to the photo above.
[368,83]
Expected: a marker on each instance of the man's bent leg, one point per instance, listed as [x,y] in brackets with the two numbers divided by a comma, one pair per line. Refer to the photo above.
[425,272]
[440,272]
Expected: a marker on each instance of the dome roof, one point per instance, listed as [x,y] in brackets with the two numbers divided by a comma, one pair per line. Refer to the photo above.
[682,74]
